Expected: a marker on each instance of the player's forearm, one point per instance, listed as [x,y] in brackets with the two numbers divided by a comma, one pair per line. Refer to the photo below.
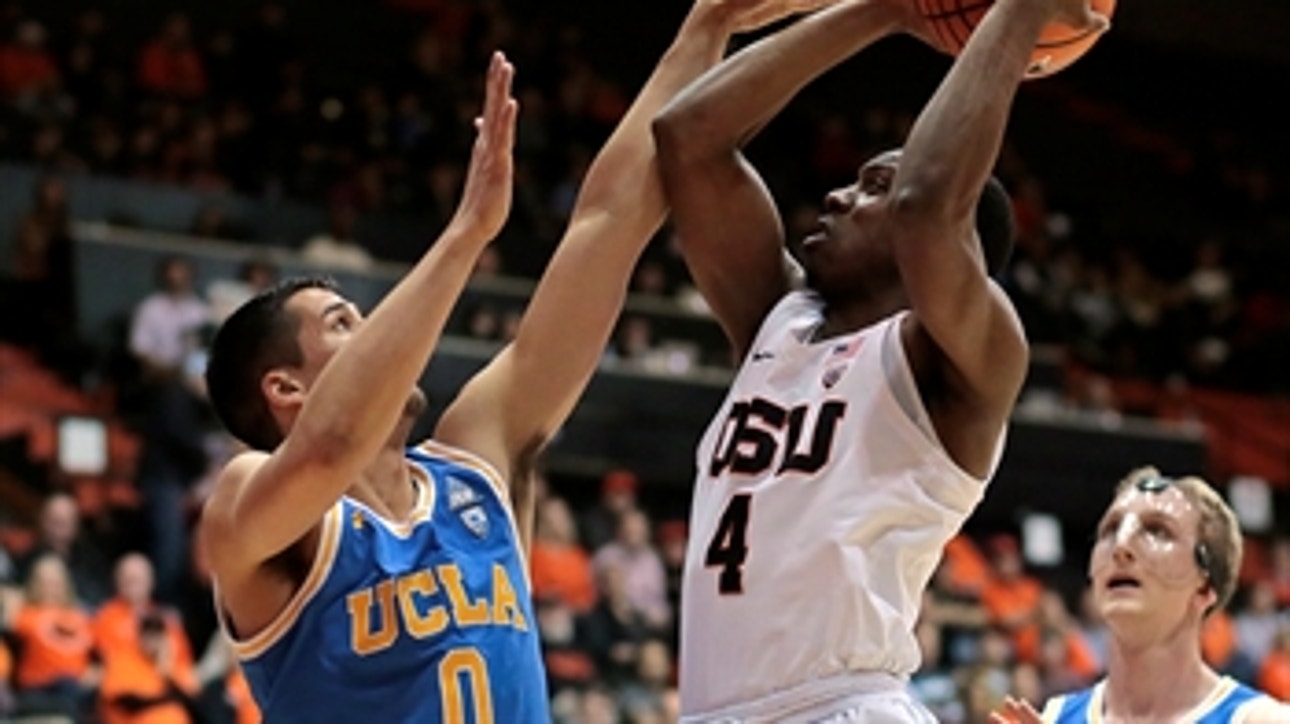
[954,143]
[623,179]
[726,107]
[360,395]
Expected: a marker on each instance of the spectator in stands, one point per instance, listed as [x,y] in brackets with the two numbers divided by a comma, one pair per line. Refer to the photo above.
[615,628]
[170,65]
[26,65]
[1066,660]
[254,275]
[642,697]
[147,684]
[633,555]
[933,685]
[60,534]
[561,569]
[598,706]
[166,338]
[337,248]
[226,696]
[1011,597]
[6,673]
[53,671]
[599,523]
[1258,621]
[672,538]
[116,623]
[565,648]
[43,266]
[1274,670]
[167,324]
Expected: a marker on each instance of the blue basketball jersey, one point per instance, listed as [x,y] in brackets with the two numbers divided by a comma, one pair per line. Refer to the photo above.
[429,621]
[1223,705]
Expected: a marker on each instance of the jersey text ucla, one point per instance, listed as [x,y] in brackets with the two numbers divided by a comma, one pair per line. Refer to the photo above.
[426,621]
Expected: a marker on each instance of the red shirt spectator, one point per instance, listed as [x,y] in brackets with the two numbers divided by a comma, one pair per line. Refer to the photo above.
[170,65]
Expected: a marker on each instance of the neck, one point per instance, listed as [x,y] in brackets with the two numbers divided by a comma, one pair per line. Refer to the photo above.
[850,314]
[385,485]
[1157,681]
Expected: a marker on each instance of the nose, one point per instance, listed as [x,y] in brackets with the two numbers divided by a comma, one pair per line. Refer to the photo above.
[837,200]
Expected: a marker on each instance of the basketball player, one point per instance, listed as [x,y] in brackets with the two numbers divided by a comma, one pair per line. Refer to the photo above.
[362,578]
[1167,555]
[870,408]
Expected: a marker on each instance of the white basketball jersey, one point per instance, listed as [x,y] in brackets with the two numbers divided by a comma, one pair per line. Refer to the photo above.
[820,512]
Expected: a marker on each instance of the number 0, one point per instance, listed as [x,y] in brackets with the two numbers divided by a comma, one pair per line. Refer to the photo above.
[729,546]
[465,664]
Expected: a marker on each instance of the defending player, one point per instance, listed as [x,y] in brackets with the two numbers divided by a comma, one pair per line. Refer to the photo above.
[360,578]
[870,408]
[1167,555]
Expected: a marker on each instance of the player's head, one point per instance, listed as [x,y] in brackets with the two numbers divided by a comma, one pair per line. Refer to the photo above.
[850,244]
[259,355]
[1167,550]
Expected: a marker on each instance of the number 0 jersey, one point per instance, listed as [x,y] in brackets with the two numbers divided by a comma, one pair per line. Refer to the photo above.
[821,506]
[429,621]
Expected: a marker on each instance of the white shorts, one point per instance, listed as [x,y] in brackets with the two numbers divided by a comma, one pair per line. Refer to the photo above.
[871,699]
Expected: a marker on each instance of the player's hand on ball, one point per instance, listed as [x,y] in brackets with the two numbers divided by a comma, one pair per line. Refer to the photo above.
[1080,15]
[747,15]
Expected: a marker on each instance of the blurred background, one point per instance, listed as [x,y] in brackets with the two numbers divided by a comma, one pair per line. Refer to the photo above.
[161,161]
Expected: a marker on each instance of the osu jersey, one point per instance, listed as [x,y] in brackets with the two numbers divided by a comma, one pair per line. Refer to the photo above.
[1225,704]
[429,621]
[821,506]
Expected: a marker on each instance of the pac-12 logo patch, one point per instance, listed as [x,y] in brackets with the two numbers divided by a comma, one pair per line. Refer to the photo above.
[468,505]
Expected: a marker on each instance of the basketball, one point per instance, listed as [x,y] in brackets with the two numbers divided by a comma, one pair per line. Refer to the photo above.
[952,21]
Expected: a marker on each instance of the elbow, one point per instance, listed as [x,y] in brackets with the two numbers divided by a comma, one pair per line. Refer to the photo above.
[682,134]
[668,128]
[929,202]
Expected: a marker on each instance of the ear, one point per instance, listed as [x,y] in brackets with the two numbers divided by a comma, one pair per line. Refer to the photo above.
[1208,595]
[282,388]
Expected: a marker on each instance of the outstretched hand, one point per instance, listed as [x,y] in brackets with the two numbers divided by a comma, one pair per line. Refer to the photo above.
[748,15]
[486,198]
[1015,711]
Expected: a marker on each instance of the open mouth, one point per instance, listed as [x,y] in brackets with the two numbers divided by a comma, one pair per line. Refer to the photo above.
[1121,582]
[818,233]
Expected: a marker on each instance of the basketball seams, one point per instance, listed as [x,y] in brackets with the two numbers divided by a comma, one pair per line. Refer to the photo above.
[953,21]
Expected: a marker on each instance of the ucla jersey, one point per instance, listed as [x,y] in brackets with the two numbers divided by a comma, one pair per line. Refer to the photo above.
[429,621]
[1226,703]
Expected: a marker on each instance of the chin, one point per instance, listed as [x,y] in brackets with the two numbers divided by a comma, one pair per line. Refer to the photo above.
[416,404]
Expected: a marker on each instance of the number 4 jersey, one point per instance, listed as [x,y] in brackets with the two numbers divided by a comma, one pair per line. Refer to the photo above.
[429,621]
[821,506]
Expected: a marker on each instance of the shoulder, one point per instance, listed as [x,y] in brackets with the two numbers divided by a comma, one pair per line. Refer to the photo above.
[1263,708]
[218,510]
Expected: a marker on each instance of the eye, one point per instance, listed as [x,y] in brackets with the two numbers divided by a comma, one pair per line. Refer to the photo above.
[342,323]
[1156,529]
[877,184]
[1108,528]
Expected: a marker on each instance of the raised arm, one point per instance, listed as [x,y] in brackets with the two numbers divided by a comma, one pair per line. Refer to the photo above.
[264,503]
[946,161]
[511,408]
[728,226]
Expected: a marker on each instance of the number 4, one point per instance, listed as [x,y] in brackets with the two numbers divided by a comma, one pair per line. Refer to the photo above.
[729,546]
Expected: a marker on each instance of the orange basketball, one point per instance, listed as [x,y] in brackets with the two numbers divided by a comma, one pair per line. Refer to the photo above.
[952,21]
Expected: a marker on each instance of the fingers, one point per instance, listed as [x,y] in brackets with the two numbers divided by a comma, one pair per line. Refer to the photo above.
[499,107]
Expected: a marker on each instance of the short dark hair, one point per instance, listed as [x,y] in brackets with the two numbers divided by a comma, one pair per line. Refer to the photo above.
[996,225]
[257,337]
